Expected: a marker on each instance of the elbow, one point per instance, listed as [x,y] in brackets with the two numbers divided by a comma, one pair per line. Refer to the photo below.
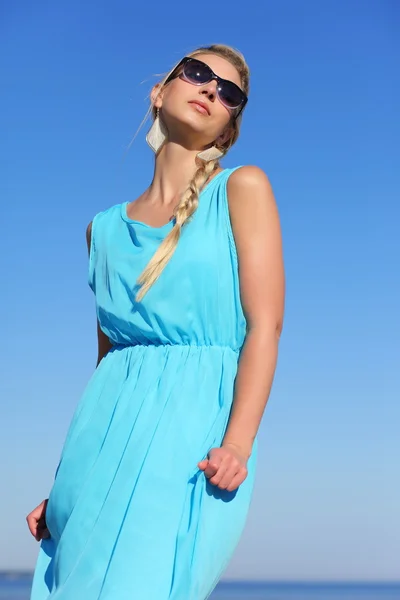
[266,331]
[278,329]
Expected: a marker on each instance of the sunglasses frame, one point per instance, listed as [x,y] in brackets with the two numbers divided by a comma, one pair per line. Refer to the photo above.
[214,76]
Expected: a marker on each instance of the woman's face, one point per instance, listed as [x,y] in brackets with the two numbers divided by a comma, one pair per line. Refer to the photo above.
[188,124]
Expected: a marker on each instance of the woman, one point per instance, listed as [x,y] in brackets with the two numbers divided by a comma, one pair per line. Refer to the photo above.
[156,474]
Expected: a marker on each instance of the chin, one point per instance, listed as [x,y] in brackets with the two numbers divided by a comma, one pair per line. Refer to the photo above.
[189,117]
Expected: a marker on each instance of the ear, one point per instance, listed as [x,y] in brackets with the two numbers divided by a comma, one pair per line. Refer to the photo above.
[156,95]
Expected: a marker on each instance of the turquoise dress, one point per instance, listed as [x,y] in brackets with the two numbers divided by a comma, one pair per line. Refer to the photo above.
[131,515]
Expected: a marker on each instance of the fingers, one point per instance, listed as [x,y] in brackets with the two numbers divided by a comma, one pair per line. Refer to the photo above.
[237,480]
[224,469]
[32,524]
[37,521]
[232,478]
[42,531]
[37,528]
[212,467]
[202,464]
[45,533]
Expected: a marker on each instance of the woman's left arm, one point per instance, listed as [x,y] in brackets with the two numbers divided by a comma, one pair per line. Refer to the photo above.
[256,229]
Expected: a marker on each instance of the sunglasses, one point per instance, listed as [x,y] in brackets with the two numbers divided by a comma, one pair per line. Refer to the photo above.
[198,72]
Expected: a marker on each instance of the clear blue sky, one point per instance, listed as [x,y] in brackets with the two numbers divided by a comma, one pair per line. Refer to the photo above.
[323,122]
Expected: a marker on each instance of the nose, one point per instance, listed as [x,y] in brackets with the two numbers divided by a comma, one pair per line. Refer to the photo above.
[210,89]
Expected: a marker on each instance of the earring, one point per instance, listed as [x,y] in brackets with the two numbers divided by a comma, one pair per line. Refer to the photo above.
[157,134]
[210,154]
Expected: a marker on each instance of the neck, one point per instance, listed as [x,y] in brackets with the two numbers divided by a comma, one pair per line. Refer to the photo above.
[174,168]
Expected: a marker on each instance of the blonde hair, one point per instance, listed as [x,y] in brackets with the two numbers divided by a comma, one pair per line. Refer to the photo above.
[190,198]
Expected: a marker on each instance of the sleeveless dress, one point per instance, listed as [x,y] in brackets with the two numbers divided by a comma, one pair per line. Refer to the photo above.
[131,516]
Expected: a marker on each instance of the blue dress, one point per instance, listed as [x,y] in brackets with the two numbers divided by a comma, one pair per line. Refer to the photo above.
[131,516]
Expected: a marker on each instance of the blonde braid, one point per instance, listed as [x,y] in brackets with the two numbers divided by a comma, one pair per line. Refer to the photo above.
[182,213]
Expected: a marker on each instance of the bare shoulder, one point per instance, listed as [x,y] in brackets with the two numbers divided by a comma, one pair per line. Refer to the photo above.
[248,175]
[250,195]
[258,240]
[89,234]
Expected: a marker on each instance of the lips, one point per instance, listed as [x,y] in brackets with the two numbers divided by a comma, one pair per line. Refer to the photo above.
[202,104]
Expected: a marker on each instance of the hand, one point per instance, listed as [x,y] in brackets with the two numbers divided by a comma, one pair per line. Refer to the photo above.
[37,521]
[225,467]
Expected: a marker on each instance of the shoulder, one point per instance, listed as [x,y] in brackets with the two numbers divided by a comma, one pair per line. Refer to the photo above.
[251,181]
[250,194]
[248,173]
[114,210]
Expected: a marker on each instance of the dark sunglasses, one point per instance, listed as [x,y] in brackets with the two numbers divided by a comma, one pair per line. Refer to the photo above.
[198,72]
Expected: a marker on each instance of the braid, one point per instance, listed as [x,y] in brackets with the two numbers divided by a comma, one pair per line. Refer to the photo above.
[182,213]
[190,199]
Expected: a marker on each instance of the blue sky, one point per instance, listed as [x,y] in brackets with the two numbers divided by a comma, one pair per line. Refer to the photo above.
[322,121]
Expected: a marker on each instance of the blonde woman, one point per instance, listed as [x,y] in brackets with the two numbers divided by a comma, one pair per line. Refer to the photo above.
[156,475]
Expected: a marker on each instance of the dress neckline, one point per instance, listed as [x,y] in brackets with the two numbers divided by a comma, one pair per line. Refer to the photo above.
[169,224]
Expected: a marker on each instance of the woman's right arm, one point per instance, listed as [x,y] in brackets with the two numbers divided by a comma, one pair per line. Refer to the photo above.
[103,343]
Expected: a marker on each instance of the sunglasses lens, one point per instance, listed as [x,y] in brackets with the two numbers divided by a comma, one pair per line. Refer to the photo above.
[197,72]
[230,95]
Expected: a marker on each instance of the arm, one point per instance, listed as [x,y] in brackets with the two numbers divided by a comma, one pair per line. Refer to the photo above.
[103,343]
[256,229]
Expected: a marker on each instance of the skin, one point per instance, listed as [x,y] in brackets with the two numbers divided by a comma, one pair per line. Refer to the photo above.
[189,131]
[256,229]
[37,522]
